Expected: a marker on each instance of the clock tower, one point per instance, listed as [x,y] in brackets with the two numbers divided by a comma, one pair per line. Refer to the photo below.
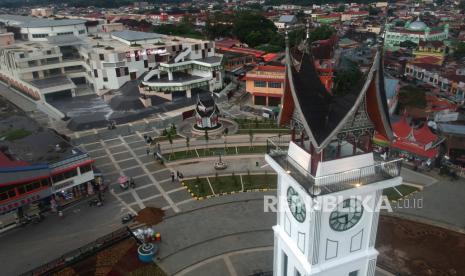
[329,182]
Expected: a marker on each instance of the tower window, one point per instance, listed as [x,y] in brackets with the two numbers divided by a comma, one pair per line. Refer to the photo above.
[285,261]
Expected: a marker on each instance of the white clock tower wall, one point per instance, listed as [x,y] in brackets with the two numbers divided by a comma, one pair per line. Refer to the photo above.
[348,250]
[292,237]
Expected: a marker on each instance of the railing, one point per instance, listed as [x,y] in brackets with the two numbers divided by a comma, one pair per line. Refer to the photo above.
[80,253]
[316,185]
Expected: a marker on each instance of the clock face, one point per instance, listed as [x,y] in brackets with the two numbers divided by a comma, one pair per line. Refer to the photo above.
[296,204]
[346,215]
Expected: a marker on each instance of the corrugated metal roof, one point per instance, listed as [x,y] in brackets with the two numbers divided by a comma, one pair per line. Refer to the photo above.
[287,19]
[33,22]
[135,36]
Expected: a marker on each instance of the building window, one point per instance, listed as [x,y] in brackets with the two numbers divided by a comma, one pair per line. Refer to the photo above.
[39,35]
[274,85]
[105,79]
[118,72]
[101,56]
[65,33]
[353,273]
[82,31]
[21,55]
[85,168]
[146,63]
[65,175]
[33,186]
[259,83]
[95,73]
[285,261]
[126,71]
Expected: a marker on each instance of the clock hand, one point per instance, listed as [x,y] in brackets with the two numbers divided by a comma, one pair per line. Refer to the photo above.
[338,217]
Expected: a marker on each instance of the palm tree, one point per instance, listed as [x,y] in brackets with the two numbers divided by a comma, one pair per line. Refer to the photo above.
[250,137]
[169,136]
[206,141]
[188,145]
[225,133]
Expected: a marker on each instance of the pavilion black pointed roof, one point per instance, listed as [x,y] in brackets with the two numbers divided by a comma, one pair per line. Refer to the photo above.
[324,115]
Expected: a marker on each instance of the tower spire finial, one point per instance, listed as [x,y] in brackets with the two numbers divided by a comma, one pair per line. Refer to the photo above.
[286,36]
[308,28]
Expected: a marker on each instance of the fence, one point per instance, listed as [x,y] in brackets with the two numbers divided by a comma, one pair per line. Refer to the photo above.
[80,253]
[277,149]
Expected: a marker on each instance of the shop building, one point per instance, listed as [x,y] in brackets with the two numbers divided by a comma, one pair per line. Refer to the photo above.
[266,84]
[38,169]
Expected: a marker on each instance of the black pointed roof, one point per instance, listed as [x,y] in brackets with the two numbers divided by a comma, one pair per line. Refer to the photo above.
[324,115]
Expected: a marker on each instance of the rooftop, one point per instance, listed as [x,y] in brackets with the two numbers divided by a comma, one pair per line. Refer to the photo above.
[51,82]
[31,143]
[33,22]
[177,77]
[136,36]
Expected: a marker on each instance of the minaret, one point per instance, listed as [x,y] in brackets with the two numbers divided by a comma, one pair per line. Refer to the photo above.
[329,182]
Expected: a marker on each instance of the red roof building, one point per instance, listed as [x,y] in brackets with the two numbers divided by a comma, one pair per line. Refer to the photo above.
[420,142]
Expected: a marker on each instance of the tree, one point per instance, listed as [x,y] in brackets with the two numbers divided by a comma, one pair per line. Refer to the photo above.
[250,137]
[408,44]
[321,33]
[188,144]
[206,140]
[347,79]
[169,136]
[412,96]
[253,28]
[461,6]
[341,8]
[459,51]
[225,134]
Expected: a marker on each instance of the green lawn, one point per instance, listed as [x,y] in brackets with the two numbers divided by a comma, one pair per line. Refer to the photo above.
[256,124]
[252,182]
[164,138]
[177,155]
[199,187]
[180,155]
[14,134]
[392,194]
[225,184]
[265,130]
[253,149]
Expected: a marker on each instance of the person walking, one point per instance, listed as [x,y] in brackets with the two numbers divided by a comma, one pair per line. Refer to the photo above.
[148,151]
[172,177]
[177,175]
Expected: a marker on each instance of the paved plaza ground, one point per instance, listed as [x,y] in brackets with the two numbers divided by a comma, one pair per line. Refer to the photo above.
[219,236]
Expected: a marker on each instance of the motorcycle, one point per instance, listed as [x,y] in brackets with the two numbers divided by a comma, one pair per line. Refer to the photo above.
[127,218]
[35,219]
[95,202]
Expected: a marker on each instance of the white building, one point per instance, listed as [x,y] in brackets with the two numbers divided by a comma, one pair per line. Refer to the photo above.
[329,183]
[39,29]
[415,32]
[57,58]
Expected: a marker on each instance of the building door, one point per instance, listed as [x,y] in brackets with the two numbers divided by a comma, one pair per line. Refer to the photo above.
[133,75]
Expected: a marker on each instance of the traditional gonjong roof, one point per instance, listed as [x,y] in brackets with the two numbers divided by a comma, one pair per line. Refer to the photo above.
[324,116]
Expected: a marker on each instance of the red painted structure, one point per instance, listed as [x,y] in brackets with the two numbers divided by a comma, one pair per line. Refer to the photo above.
[420,142]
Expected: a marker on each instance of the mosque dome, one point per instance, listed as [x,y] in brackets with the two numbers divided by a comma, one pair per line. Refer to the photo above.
[417,26]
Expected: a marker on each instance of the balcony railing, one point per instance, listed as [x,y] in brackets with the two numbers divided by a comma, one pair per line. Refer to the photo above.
[320,185]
